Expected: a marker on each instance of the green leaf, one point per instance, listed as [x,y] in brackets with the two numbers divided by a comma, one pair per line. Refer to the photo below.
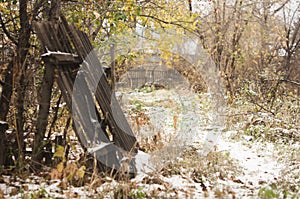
[81,172]
[59,152]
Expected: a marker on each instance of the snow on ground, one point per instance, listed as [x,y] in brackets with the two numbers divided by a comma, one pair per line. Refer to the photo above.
[182,118]
[258,161]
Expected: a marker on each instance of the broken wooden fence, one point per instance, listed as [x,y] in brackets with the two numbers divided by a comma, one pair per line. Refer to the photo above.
[70,49]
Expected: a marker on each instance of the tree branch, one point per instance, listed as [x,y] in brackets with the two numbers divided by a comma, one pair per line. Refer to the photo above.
[6,32]
[290,81]
[280,7]
[176,23]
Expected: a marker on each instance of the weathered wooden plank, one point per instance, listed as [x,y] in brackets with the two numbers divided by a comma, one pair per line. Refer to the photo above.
[61,42]
[61,59]
[43,31]
[48,35]
[65,40]
[123,135]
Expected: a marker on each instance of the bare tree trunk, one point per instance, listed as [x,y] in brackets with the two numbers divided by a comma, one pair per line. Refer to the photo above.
[19,80]
[42,118]
[6,91]
[3,149]
[45,98]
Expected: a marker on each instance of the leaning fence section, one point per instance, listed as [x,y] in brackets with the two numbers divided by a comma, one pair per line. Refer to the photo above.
[68,49]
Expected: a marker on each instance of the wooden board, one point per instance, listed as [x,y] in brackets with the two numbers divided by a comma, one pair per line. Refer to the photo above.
[66,47]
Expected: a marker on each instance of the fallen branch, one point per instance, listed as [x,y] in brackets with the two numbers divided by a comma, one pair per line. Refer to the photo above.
[290,81]
[284,80]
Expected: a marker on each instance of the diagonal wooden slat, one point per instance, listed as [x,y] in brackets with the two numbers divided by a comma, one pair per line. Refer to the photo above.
[123,135]
[65,38]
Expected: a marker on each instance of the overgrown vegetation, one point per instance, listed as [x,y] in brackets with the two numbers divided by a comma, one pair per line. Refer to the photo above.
[254,46]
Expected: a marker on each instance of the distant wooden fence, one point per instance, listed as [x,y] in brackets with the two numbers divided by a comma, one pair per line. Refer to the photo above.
[67,47]
[153,74]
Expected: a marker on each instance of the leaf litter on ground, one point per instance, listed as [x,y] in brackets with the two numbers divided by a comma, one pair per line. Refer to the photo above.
[171,163]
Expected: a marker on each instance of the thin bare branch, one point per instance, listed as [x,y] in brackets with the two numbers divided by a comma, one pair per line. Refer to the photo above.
[280,7]
[6,32]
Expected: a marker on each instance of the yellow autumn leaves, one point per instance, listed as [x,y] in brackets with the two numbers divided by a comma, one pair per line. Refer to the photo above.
[69,171]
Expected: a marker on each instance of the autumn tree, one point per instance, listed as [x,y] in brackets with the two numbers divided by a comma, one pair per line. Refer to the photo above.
[254,45]
[16,29]
[245,39]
